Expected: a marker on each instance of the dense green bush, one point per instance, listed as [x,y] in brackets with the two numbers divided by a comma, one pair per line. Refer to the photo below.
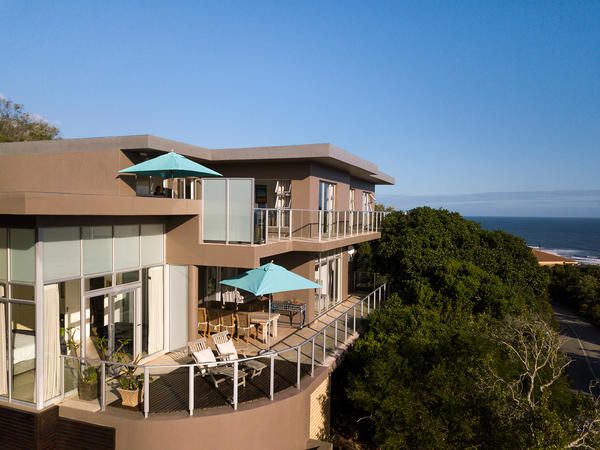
[431,367]
[577,287]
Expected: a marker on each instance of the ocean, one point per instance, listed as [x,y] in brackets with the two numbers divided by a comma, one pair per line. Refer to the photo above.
[574,238]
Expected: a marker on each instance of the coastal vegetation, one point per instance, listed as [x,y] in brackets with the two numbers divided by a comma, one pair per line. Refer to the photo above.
[577,287]
[17,125]
[463,354]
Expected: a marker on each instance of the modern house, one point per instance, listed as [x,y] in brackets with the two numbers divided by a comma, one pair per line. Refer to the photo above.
[92,260]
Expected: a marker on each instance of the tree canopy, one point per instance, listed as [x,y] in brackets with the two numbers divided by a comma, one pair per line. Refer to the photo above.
[434,368]
[578,287]
[17,125]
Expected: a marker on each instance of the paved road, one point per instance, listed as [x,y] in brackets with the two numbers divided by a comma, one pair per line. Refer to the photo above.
[582,344]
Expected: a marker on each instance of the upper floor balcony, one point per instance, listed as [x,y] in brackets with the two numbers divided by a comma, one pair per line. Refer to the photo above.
[230,215]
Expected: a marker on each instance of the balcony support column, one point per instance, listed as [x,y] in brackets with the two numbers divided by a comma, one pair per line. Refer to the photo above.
[191,389]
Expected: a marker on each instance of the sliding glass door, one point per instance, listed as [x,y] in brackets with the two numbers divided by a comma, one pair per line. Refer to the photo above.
[113,324]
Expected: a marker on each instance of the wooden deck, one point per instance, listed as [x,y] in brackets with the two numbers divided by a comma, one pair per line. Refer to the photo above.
[169,392]
[169,386]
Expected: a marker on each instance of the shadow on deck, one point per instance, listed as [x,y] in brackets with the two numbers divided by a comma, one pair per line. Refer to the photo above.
[169,393]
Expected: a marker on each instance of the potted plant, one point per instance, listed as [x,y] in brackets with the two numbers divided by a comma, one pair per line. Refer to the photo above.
[87,382]
[130,384]
[87,375]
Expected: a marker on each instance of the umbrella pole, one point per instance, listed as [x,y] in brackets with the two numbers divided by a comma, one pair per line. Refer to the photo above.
[269,324]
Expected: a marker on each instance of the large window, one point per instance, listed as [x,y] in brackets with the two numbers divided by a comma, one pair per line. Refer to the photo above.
[121,265]
[127,247]
[211,289]
[22,334]
[326,196]
[97,249]
[152,310]
[17,351]
[227,209]
[4,349]
[17,314]
[62,333]
[62,252]
[328,273]
[22,255]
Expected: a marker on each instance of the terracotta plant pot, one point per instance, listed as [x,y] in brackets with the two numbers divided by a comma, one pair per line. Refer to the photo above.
[129,398]
[87,391]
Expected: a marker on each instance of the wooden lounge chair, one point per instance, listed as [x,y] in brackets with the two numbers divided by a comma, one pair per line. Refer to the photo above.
[197,345]
[228,352]
[217,373]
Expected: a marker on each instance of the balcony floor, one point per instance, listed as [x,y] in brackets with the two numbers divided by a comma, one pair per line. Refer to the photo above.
[169,388]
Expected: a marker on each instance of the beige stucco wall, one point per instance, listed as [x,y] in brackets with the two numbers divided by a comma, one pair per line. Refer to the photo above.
[74,172]
[319,411]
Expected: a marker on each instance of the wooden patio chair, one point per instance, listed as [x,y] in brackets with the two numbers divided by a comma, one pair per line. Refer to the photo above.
[214,321]
[202,321]
[228,323]
[227,351]
[244,327]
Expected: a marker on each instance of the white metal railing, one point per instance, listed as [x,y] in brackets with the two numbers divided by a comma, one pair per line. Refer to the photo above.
[272,224]
[331,331]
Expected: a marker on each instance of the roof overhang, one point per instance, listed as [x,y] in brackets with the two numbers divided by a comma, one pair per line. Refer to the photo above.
[326,154]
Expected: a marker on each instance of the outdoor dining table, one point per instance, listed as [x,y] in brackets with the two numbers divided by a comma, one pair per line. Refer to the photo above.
[262,318]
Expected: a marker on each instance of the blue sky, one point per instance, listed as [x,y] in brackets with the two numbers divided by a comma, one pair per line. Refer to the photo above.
[451,98]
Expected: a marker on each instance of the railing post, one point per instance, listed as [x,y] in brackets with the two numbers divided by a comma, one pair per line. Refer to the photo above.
[279,224]
[346,327]
[329,227]
[362,305]
[253,237]
[368,304]
[291,213]
[337,224]
[324,344]
[191,389]
[62,376]
[103,386]
[298,374]
[272,378]
[266,226]
[312,358]
[146,393]
[235,384]
[345,223]
[354,320]
[335,340]
[320,223]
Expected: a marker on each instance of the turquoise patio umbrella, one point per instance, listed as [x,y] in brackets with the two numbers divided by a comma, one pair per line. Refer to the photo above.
[269,279]
[171,165]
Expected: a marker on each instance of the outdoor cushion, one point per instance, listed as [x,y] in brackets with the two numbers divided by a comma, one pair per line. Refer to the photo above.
[227,350]
[206,357]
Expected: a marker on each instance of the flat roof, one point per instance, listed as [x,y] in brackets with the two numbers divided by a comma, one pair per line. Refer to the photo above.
[324,153]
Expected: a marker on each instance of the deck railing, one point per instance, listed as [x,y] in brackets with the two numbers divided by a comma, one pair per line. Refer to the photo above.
[307,224]
[342,325]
